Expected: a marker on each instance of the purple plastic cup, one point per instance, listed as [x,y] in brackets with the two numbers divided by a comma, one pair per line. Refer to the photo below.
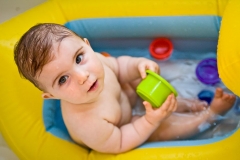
[207,71]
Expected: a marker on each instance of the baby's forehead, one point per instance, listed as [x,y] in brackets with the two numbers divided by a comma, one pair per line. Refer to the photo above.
[67,45]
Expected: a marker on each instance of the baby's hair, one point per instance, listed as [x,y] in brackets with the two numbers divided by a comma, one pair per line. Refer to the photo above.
[33,50]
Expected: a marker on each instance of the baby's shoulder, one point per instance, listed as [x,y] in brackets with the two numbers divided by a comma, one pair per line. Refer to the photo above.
[109,62]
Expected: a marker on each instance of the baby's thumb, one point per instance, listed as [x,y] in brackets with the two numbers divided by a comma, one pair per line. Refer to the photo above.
[143,74]
[147,106]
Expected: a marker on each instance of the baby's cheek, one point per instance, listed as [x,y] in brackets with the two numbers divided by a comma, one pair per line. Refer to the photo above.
[99,68]
[72,91]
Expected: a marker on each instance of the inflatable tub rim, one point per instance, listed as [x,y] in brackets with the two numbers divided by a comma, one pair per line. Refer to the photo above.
[16,127]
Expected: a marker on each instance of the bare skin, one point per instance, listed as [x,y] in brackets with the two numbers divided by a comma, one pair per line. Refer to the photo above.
[190,105]
[220,104]
[97,94]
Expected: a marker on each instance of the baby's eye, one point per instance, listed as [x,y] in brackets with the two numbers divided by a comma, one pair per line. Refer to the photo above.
[79,59]
[62,80]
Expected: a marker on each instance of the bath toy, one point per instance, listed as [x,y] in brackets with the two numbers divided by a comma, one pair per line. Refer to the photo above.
[105,54]
[207,71]
[206,95]
[161,48]
[155,89]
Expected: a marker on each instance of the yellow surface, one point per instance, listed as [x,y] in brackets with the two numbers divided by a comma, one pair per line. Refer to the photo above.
[21,122]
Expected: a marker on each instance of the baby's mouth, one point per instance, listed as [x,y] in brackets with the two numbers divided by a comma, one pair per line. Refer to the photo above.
[93,87]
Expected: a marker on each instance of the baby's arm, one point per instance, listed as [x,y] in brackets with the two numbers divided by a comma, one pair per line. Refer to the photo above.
[132,68]
[101,135]
[129,69]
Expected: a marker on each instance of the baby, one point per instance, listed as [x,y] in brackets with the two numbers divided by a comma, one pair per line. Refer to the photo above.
[97,93]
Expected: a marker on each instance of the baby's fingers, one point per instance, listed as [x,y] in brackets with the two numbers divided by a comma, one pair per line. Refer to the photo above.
[170,104]
[154,68]
[173,106]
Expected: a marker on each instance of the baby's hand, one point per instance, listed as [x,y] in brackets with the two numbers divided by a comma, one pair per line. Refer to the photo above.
[145,64]
[156,115]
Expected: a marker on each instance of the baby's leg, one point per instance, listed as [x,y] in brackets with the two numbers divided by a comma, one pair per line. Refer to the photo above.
[190,105]
[181,126]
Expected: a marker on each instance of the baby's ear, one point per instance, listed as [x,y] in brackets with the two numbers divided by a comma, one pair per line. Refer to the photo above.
[86,41]
[47,96]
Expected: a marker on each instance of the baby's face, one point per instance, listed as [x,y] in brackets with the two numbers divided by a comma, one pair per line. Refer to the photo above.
[75,74]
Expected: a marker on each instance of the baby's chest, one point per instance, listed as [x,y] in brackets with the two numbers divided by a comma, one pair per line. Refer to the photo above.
[110,110]
[115,105]
[116,110]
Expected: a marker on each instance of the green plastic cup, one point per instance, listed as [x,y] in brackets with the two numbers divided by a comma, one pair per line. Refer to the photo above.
[155,89]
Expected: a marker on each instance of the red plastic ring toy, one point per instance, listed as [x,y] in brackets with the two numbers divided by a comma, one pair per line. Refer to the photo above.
[161,48]
[105,54]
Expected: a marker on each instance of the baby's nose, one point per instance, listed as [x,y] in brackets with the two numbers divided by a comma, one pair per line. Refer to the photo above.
[82,76]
